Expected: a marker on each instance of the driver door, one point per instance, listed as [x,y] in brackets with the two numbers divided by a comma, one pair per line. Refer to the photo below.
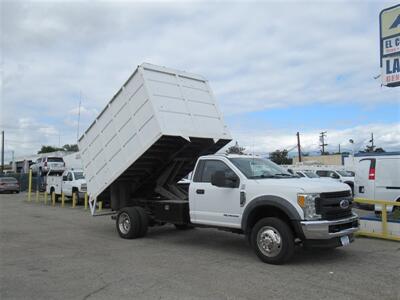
[212,205]
[67,184]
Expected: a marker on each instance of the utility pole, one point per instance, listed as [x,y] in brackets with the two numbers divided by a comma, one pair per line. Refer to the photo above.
[372,142]
[298,145]
[322,140]
[14,167]
[2,152]
[79,115]
[339,148]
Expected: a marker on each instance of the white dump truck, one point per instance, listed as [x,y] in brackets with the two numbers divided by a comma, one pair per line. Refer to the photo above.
[70,182]
[164,123]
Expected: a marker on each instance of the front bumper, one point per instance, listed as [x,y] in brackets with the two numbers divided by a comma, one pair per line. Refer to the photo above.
[321,230]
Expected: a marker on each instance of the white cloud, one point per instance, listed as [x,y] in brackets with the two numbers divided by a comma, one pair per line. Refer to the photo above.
[257,55]
[385,135]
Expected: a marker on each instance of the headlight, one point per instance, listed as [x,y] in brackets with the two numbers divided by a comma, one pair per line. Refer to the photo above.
[307,203]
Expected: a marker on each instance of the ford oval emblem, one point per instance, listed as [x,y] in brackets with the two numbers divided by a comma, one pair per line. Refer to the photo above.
[344,204]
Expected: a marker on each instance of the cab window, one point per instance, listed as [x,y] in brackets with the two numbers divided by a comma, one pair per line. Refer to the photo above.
[322,173]
[211,166]
[69,176]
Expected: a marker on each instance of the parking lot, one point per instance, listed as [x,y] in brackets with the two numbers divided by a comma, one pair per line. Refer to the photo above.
[64,253]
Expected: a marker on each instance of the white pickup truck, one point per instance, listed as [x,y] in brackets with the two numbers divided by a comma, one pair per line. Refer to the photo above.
[72,181]
[164,123]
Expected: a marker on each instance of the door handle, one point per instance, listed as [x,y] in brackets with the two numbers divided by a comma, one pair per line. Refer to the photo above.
[201,192]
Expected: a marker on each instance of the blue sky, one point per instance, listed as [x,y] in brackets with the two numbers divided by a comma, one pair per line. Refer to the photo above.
[276,67]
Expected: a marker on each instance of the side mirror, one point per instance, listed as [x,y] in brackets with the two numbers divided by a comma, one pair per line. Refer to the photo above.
[334,176]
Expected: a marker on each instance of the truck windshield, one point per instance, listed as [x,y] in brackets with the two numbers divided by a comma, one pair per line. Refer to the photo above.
[345,173]
[55,159]
[310,174]
[79,175]
[257,168]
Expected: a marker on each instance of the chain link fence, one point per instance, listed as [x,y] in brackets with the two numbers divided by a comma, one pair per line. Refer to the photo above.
[38,183]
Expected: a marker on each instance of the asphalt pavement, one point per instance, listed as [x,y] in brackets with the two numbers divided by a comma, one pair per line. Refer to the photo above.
[64,253]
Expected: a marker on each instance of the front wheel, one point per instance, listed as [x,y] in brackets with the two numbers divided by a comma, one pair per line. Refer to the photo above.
[272,240]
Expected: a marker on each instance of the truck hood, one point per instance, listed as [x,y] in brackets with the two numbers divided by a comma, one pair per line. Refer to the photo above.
[347,178]
[80,181]
[303,185]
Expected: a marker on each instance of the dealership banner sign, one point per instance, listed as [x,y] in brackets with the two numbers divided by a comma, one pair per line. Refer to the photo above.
[389,20]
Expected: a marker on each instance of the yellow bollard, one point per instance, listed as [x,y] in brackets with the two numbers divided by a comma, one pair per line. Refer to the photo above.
[73,200]
[62,199]
[53,199]
[37,196]
[100,205]
[384,220]
[30,185]
[86,201]
[45,198]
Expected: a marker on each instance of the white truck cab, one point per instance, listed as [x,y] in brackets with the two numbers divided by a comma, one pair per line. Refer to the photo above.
[239,191]
[71,181]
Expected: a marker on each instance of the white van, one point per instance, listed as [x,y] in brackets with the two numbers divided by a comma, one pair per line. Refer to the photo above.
[378,177]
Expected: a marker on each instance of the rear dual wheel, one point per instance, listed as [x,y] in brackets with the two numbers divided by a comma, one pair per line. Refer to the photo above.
[132,222]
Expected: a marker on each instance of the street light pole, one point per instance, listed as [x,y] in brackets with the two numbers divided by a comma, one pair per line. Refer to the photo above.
[2,152]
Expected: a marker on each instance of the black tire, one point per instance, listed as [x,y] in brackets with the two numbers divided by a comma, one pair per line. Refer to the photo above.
[396,209]
[132,229]
[144,221]
[55,195]
[277,228]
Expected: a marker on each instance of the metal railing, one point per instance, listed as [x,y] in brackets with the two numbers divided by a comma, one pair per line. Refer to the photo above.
[384,234]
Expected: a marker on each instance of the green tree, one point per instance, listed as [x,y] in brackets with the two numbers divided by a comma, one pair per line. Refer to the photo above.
[236,149]
[48,149]
[280,157]
[71,147]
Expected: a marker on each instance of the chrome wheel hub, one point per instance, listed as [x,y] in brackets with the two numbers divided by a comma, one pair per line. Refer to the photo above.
[124,223]
[269,241]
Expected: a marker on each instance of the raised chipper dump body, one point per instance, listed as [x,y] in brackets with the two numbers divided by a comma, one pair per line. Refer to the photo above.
[149,136]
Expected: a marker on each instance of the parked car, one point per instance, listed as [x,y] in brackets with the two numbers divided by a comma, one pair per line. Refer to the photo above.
[42,165]
[378,177]
[9,184]
[338,175]
[306,174]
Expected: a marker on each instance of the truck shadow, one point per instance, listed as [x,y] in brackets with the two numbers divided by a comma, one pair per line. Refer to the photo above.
[225,243]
